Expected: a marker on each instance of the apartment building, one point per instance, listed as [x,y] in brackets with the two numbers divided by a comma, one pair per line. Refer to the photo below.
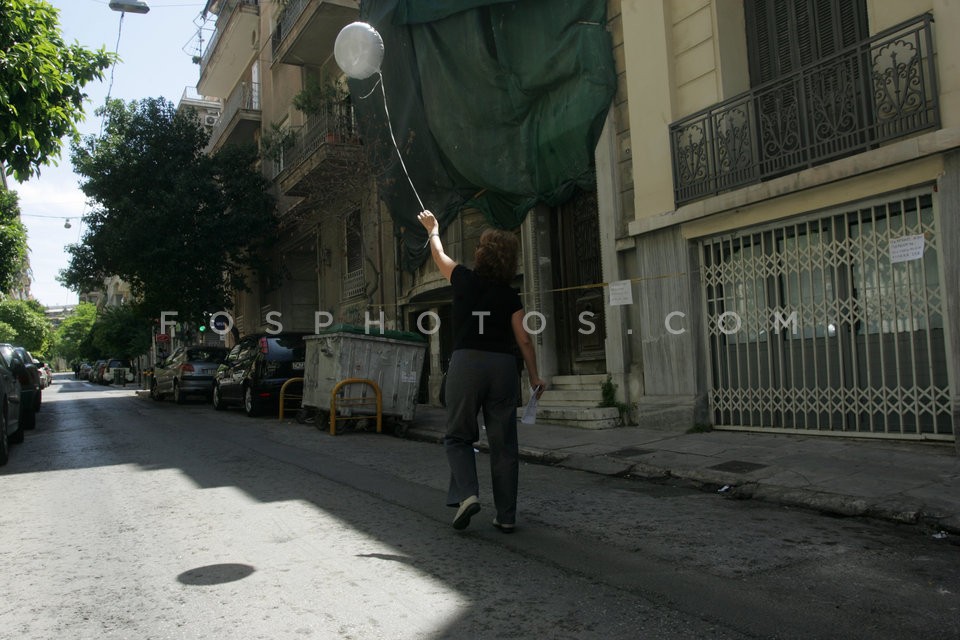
[271,65]
[791,225]
[768,247]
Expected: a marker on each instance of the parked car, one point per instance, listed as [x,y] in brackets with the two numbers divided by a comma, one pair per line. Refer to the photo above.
[11,398]
[46,375]
[96,373]
[117,371]
[49,369]
[256,368]
[188,371]
[84,371]
[30,393]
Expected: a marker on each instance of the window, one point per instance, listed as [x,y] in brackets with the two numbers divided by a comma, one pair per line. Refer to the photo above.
[785,35]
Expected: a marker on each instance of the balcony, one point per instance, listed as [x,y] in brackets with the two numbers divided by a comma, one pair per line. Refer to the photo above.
[306,30]
[872,93]
[323,156]
[232,48]
[239,119]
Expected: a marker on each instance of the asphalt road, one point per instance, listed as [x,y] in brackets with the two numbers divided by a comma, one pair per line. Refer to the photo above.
[121,517]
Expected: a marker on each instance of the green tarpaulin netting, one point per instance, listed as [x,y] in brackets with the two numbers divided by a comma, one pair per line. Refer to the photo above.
[496,105]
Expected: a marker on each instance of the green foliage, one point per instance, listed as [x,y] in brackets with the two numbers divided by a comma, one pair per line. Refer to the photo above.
[13,241]
[41,82]
[122,331]
[608,398]
[276,140]
[182,227]
[30,323]
[7,333]
[608,392]
[72,338]
[317,97]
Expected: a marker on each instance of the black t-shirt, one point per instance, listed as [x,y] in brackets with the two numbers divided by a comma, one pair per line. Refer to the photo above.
[482,310]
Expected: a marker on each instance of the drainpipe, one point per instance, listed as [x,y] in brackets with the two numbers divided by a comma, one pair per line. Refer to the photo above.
[319,271]
[380,278]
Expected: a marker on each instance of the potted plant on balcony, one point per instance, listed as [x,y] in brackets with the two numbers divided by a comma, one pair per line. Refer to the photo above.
[327,100]
[277,140]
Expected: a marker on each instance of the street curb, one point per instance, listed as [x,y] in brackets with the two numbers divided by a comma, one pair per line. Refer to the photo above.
[733,486]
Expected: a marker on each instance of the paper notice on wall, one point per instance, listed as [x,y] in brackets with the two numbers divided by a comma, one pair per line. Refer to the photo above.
[408,376]
[621,293]
[906,248]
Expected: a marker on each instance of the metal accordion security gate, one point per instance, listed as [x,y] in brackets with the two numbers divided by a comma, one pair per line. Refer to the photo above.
[831,324]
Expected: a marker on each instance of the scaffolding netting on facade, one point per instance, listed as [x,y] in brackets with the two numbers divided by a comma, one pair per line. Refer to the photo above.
[495,104]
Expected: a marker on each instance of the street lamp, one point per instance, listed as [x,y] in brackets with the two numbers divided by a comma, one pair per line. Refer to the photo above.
[129,6]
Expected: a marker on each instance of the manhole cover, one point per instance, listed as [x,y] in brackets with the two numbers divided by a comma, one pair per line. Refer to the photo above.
[629,451]
[737,466]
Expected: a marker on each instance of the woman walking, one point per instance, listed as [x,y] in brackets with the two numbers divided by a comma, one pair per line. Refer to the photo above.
[482,376]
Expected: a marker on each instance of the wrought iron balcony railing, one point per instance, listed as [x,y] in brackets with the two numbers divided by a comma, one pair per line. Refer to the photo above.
[244,97]
[876,91]
[288,17]
[336,125]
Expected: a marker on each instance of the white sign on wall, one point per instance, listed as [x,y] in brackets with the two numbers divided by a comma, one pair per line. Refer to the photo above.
[621,293]
[906,248]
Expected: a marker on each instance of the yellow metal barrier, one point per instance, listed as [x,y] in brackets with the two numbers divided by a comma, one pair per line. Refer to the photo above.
[283,393]
[354,402]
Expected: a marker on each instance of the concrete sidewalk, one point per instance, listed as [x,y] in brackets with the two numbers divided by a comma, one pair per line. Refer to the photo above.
[906,482]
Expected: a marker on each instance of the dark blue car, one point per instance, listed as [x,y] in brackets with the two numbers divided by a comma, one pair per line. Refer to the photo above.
[256,368]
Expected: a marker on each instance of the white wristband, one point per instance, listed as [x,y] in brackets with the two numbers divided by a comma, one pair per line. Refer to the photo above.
[430,235]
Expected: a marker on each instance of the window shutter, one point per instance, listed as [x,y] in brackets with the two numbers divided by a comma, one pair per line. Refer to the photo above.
[783,35]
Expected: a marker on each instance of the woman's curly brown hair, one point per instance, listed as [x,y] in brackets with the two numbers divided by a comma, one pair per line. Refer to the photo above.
[496,255]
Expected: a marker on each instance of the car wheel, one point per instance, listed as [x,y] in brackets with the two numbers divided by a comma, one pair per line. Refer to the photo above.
[4,444]
[154,391]
[217,400]
[178,397]
[250,403]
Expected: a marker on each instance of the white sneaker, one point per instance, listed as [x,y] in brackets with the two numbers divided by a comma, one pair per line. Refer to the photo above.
[468,508]
[505,527]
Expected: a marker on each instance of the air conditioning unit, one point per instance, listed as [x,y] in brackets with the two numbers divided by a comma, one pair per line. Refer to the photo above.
[210,120]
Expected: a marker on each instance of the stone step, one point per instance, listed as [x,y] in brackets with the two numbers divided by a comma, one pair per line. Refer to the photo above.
[592,381]
[585,397]
[581,417]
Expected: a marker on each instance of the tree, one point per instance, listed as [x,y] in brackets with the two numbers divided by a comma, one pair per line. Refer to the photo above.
[41,82]
[72,336]
[13,241]
[182,227]
[7,333]
[122,332]
[28,319]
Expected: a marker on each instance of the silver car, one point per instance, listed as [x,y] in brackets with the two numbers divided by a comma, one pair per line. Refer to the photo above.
[188,371]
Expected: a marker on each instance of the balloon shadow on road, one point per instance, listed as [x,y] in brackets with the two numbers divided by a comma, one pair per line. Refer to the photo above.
[215,574]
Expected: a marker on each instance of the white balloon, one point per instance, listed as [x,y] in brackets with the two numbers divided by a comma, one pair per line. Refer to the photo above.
[358,50]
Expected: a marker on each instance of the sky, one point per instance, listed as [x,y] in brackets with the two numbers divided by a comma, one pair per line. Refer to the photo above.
[156,51]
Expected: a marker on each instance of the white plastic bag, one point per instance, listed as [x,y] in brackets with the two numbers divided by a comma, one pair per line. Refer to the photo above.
[530,411]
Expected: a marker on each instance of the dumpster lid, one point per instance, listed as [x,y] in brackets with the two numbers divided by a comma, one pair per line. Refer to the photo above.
[373,333]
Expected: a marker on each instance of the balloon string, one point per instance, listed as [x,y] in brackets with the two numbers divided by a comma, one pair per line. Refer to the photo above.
[386,110]
[375,85]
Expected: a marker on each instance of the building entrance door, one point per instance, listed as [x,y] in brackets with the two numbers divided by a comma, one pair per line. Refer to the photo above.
[578,295]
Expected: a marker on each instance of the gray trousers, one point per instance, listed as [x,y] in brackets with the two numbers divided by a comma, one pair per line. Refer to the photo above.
[483,381]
